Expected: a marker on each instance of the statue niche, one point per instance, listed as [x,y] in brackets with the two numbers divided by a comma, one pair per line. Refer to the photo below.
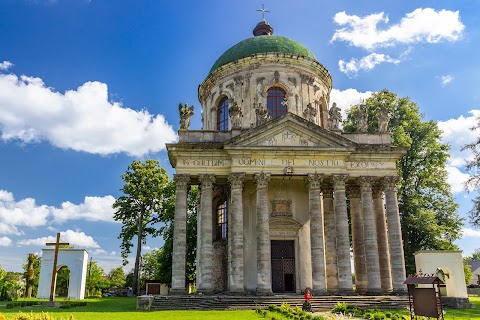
[235,113]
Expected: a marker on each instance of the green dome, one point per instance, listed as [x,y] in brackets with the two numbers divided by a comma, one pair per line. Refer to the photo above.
[262,44]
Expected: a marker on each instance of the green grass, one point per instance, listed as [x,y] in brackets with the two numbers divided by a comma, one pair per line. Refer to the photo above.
[124,308]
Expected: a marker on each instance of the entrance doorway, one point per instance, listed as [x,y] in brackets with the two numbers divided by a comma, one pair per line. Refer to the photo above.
[283,266]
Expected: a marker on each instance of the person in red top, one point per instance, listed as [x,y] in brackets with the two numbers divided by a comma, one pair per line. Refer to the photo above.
[307,306]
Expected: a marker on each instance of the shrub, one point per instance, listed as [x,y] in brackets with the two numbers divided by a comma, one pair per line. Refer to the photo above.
[368,315]
[2,317]
[37,316]
[378,316]
[318,318]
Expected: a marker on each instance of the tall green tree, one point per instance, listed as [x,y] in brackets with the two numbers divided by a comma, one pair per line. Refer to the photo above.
[96,282]
[429,216]
[473,182]
[32,274]
[117,277]
[145,193]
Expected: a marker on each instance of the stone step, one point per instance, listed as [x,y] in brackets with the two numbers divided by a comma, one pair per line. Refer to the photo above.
[251,302]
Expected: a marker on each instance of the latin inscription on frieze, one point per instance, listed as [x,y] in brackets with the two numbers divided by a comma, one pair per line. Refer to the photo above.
[368,165]
[205,162]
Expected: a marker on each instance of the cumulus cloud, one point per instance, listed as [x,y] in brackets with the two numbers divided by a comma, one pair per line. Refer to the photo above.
[456,179]
[5,242]
[92,209]
[468,232]
[81,120]
[457,133]
[347,98]
[75,238]
[5,65]
[26,213]
[367,63]
[446,79]
[421,25]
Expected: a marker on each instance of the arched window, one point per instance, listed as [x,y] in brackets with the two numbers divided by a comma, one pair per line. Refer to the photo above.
[222,115]
[221,225]
[275,98]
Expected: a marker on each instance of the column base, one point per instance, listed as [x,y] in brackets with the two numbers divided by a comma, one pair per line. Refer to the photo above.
[346,292]
[320,292]
[264,292]
[400,292]
[177,292]
[374,292]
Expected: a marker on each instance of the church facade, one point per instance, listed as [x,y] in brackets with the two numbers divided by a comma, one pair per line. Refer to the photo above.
[280,182]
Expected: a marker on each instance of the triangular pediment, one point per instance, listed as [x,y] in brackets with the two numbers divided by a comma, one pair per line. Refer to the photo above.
[290,131]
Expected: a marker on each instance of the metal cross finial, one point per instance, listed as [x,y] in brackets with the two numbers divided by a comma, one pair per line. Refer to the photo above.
[263,11]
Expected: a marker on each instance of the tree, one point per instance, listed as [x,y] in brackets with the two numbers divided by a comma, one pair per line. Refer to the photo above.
[467,270]
[117,277]
[141,207]
[429,216]
[474,181]
[476,254]
[152,265]
[32,274]
[97,281]
[165,255]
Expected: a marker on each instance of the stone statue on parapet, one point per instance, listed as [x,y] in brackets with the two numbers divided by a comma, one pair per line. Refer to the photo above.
[310,113]
[361,115]
[235,113]
[185,113]
[334,117]
[262,114]
[383,118]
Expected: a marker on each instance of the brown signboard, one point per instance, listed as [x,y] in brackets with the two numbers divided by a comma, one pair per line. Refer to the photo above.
[425,302]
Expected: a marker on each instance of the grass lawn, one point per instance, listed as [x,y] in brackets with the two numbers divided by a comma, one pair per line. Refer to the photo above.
[124,308]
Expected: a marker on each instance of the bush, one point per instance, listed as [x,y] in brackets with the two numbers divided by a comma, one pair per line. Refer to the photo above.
[379,316]
[368,315]
[318,318]
[2,316]
[37,316]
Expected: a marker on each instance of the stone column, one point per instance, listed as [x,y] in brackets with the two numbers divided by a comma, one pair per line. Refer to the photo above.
[357,240]
[330,240]
[395,242]
[235,234]
[382,240]
[264,268]
[179,255]
[205,232]
[345,284]
[314,181]
[370,236]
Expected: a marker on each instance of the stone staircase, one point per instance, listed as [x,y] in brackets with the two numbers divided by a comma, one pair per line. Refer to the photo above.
[319,303]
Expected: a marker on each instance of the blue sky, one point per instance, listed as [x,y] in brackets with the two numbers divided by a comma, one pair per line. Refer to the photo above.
[88,86]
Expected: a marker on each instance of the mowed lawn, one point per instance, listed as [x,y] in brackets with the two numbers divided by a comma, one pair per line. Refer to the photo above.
[124,308]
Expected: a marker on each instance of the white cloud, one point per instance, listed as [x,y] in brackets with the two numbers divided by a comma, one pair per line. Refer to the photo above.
[456,179]
[82,119]
[5,242]
[421,25]
[347,98]
[92,209]
[26,213]
[77,239]
[5,65]
[457,133]
[467,232]
[366,63]
[446,79]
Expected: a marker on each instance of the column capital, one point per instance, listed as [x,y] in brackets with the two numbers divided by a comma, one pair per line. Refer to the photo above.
[353,191]
[236,180]
[181,180]
[365,183]
[327,190]
[207,180]
[390,183]
[262,179]
[339,181]
[314,181]
[377,191]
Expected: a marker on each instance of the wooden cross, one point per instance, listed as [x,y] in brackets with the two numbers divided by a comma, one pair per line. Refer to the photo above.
[57,244]
[263,11]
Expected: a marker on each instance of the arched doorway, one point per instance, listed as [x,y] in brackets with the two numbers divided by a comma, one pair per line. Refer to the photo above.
[62,282]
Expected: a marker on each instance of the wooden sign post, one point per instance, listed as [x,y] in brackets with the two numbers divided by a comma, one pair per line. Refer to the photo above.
[57,244]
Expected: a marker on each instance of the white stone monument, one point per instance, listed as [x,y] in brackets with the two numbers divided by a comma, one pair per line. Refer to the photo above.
[451,263]
[76,260]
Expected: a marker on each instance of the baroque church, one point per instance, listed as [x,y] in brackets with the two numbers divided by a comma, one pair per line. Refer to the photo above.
[280,182]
